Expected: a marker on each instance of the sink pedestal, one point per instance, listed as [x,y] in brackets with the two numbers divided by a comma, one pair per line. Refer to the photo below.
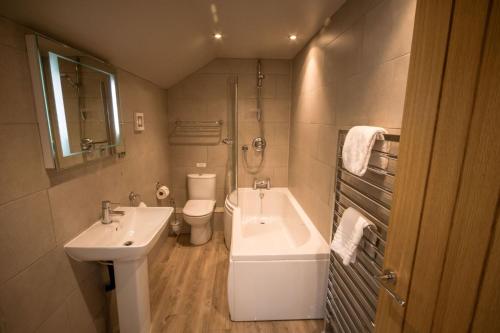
[127,245]
[132,295]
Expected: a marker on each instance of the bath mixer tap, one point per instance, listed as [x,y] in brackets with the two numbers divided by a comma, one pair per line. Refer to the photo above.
[262,183]
[107,212]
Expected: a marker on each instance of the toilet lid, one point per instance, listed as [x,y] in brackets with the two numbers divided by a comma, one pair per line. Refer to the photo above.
[198,207]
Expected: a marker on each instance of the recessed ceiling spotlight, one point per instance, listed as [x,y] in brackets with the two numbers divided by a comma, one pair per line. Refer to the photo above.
[292,37]
[217,35]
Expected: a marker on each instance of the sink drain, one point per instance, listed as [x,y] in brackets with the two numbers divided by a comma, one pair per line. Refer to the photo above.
[128,243]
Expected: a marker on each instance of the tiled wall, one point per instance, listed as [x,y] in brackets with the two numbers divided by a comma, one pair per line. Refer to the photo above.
[204,96]
[41,289]
[353,72]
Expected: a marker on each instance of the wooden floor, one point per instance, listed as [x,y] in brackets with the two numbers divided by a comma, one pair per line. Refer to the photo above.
[188,292]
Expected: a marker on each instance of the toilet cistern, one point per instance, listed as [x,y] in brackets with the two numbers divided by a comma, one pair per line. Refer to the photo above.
[199,208]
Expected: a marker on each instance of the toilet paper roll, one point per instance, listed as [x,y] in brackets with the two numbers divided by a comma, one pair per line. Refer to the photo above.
[162,192]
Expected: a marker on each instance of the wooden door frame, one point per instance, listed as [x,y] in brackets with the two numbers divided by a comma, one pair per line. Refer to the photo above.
[423,92]
[426,237]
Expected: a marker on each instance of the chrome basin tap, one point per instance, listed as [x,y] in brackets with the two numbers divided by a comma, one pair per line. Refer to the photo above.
[262,183]
[107,212]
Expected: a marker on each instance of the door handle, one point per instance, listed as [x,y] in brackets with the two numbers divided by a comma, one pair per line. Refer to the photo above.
[227,141]
[401,302]
[390,277]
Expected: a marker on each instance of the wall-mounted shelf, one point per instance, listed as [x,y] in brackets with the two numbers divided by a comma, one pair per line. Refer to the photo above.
[196,133]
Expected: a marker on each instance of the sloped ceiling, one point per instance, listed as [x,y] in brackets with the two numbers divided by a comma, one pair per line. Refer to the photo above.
[165,40]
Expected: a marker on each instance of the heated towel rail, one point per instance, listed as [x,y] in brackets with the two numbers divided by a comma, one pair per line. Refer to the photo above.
[353,290]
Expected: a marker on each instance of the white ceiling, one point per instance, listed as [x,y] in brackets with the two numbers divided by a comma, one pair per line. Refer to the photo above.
[166,40]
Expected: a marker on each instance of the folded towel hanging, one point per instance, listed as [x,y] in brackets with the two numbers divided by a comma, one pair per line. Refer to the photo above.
[348,235]
[357,148]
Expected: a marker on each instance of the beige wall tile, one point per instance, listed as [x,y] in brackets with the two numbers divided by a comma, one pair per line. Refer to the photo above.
[216,66]
[29,298]
[268,90]
[180,195]
[12,34]
[57,322]
[322,216]
[274,66]
[188,155]
[320,179]
[327,144]
[40,287]
[187,101]
[353,72]
[242,66]
[75,196]
[27,233]
[84,306]
[16,95]
[138,95]
[305,138]
[276,110]
[345,17]
[205,86]
[283,86]
[396,103]
[21,169]
[388,31]
[217,155]
[276,156]
[280,178]
[247,86]
[277,133]
[343,55]
[308,74]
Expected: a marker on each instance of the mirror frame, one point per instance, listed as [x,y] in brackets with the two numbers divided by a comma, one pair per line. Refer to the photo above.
[47,133]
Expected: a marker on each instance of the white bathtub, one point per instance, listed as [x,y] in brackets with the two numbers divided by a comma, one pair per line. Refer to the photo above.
[278,260]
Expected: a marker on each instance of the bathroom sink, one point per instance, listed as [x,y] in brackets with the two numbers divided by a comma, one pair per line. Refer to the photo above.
[132,236]
[126,242]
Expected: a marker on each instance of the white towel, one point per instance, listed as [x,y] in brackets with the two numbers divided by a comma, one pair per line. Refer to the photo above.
[357,148]
[349,232]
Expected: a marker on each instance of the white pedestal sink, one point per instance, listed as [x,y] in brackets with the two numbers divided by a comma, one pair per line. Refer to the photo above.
[126,242]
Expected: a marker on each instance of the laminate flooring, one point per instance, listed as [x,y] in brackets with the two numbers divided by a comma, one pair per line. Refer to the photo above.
[188,290]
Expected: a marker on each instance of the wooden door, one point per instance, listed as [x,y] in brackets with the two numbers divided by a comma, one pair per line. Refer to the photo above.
[446,191]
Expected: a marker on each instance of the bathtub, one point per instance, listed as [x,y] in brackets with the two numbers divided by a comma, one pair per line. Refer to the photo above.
[278,265]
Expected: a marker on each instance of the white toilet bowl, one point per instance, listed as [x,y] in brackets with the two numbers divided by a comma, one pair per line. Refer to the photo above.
[198,214]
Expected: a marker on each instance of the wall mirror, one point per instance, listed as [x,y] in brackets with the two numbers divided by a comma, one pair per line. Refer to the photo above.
[76,97]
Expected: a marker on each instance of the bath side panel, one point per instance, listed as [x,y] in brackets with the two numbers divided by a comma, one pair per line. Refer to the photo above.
[278,290]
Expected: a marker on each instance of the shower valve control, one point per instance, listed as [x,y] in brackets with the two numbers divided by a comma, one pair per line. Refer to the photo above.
[259,144]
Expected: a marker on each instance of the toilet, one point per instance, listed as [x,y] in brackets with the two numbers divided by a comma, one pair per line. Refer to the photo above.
[199,208]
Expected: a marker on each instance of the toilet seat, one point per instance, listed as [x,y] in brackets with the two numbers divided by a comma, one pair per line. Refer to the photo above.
[198,208]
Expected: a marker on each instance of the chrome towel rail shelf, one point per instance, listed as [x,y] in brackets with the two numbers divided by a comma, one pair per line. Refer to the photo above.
[200,133]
